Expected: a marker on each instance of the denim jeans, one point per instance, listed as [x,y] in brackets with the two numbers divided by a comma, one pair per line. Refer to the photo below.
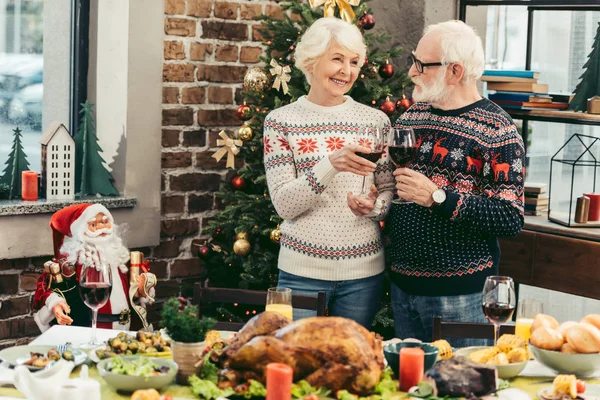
[357,299]
[413,315]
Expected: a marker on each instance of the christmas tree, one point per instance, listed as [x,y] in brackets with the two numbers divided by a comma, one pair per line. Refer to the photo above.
[589,86]
[242,251]
[15,165]
[91,176]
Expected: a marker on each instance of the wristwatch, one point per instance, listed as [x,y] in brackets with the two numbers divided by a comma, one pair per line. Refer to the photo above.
[438,196]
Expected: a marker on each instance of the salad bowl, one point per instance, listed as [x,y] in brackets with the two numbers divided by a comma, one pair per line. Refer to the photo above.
[131,373]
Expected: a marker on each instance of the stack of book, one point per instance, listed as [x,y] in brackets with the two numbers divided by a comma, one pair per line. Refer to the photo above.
[519,89]
[536,199]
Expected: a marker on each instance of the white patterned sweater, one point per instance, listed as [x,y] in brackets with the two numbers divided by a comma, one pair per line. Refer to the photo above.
[321,237]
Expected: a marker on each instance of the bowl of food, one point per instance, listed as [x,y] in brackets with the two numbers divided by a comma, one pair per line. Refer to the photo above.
[579,364]
[130,373]
[391,351]
[508,365]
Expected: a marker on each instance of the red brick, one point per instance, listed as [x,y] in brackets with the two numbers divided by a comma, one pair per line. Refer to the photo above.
[186,267]
[226,53]
[21,263]
[178,116]
[221,73]
[9,283]
[213,136]
[274,11]
[174,7]
[18,328]
[218,118]
[220,95]
[180,27]
[239,98]
[250,54]
[174,50]
[6,264]
[257,33]
[179,227]
[226,10]
[195,182]
[178,72]
[29,281]
[199,8]
[170,95]
[167,249]
[193,95]
[205,160]
[176,160]
[166,289]
[198,51]
[15,306]
[194,138]
[170,137]
[224,30]
[172,205]
[160,269]
[163,179]
[200,203]
[249,11]
[38,262]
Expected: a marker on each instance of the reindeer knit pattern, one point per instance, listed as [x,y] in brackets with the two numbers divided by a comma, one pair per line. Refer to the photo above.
[320,237]
[476,155]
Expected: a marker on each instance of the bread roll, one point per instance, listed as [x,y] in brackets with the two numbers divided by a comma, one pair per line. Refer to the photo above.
[565,326]
[567,348]
[547,338]
[585,338]
[592,319]
[544,320]
[147,394]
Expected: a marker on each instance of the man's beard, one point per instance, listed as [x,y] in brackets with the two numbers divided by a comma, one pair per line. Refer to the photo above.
[110,248]
[437,92]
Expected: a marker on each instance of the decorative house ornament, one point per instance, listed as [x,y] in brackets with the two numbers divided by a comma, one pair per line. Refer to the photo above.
[58,163]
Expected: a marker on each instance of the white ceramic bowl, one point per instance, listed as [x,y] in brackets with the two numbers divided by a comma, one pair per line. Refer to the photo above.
[505,371]
[129,383]
[578,364]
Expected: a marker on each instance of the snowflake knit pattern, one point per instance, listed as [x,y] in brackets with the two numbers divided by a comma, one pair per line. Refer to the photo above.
[320,237]
[476,155]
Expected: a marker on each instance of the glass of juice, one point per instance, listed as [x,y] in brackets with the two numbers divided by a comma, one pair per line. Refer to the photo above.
[279,299]
[527,309]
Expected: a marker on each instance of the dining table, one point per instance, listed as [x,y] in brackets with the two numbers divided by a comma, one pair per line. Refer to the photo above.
[534,377]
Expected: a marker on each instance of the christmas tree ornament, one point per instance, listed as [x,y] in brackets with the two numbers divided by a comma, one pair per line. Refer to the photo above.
[238,182]
[386,71]
[388,106]
[241,247]
[345,6]
[15,165]
[281,74]
[367,22]
[242,235]
[230,147]
[403,104]
[204,252]
[218,233]
[244,133]
[244,112]
[255,80]
[275,235]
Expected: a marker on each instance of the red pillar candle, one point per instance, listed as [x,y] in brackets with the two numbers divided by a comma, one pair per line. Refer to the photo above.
[279,381]
[594,214]
[29,185]
[412,364]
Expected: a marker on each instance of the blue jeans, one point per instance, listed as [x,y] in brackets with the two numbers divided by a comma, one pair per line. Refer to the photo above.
[357,299]
[413,315]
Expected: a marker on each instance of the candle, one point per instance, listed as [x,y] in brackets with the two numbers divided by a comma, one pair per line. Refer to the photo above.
[279,381]
[412,364]
[594,212]
[29,185]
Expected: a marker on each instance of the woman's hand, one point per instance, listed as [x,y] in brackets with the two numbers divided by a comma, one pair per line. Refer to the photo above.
[414,186]
[347,161]
[363,205]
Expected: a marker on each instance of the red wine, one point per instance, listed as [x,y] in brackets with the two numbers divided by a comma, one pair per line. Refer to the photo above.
[95,295]
[498,312]
[402,156]
[373,157]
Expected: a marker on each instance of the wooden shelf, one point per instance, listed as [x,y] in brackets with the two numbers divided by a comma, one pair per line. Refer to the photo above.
[543,225]
[565,117]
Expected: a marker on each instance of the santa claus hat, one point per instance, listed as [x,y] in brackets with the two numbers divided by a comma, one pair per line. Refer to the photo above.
[72,220]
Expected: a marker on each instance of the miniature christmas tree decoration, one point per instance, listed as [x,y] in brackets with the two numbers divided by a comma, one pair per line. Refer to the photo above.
[590,80]
[15,165]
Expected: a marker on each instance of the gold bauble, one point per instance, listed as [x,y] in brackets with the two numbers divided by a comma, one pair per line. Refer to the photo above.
[245,133]
[275,235]
[241,235]
[256,80]
[241,247]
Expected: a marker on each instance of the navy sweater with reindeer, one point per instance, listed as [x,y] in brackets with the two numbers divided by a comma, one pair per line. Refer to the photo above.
[476,155]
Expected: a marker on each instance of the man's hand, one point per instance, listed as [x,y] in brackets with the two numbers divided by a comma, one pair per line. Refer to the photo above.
[361,205]
[414,186]
[347,161]
[141,280]
[60,312]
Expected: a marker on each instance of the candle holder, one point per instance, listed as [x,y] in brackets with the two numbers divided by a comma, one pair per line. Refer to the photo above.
[577,154]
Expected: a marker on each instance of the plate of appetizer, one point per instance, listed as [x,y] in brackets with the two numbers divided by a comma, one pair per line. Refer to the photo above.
[39,357]
[568,387]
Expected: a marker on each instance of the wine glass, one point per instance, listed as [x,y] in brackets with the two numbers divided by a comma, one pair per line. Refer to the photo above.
[371,137]
[279,299]
[527,309]
[402,148]
[95,285]
[499,300]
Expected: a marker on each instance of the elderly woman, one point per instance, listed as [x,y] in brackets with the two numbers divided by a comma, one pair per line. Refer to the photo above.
[330,238]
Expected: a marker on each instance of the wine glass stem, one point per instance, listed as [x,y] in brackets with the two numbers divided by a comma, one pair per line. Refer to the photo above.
[363,186]
[496,331]
[94,319]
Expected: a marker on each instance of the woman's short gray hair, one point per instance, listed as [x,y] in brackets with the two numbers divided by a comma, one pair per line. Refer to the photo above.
[319,36]
[460,43]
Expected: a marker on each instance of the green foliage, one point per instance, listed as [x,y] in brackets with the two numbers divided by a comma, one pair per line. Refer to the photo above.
[15,165]
[184,325]
[589,86]
[4,191]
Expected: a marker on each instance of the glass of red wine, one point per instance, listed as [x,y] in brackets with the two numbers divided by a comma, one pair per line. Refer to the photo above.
[95,285]
[373,138]
[499,301]
[402,148]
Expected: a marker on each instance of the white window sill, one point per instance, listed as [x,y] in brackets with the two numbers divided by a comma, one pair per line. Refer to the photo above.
[43,206]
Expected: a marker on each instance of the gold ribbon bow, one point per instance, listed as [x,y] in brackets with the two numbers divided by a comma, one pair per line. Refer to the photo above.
[346,11]
[229,147]
[281,74]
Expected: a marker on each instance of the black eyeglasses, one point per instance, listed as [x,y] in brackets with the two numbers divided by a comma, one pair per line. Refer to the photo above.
[419,65]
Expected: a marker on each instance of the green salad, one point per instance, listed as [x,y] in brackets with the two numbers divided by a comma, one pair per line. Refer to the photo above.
[141,366]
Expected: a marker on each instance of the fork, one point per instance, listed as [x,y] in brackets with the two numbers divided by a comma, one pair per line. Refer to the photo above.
[61,348]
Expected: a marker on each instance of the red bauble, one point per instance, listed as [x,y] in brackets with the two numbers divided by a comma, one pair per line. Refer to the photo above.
[367,21]
[403,104]
[388,107]
[386,71]
[243,112]
[217,233]
[204,252]
[238,182]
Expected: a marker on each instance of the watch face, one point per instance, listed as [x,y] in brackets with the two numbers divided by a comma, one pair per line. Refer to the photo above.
[439,196]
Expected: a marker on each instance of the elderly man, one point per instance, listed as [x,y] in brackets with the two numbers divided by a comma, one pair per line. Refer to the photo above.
[464,187]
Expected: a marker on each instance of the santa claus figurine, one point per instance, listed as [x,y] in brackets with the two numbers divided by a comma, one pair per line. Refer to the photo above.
[85,235]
